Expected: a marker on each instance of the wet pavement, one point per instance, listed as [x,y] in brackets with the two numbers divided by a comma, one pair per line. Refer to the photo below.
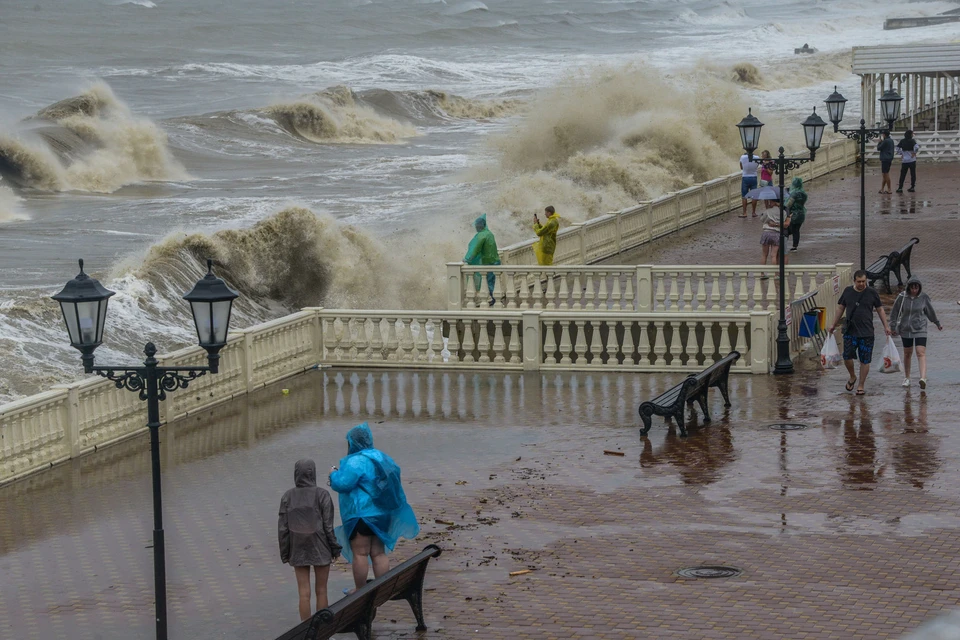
[849,528]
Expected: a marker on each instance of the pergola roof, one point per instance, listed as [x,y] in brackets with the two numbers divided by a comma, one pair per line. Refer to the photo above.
[908,58]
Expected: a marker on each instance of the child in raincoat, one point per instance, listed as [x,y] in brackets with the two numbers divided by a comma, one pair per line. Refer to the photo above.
[547,244]
[373,507]
[483,250]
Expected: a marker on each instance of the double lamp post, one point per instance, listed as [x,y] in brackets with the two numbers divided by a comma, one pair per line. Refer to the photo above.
[813,128]
[83,302]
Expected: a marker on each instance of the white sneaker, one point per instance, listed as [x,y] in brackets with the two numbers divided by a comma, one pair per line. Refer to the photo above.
[923,383]
[906,382]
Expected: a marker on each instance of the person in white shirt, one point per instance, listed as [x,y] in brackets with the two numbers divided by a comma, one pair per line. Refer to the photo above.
[748,181]
[907,149]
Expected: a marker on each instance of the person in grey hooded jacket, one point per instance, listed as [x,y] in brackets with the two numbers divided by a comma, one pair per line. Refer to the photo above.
[305,531]
[908,319]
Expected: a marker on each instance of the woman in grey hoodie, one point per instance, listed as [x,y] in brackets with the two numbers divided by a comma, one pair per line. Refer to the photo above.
[908,319]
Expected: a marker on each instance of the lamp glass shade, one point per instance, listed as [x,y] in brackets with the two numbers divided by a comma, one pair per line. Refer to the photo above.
[211,302]
[835,104]
[813,128]
[83,302]
[890,105]
[750,132]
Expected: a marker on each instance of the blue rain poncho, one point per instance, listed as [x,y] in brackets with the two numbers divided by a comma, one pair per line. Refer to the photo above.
[368,482]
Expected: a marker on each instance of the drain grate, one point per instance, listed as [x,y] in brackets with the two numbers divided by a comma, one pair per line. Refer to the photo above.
[788,426]
[709,571]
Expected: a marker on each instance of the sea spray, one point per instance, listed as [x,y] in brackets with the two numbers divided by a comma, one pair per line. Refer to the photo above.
[97,145]
[10,209]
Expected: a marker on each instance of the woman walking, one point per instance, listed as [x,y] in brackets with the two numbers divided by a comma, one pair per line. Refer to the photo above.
[373,507]
[909,316]
[796,210]
[306,534]
[771,233]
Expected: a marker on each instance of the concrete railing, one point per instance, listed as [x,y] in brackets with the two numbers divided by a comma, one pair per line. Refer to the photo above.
[607,235]
[632,287]
[939,146]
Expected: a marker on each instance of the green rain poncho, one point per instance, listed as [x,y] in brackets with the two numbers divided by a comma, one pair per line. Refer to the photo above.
[796,205]
[483,250]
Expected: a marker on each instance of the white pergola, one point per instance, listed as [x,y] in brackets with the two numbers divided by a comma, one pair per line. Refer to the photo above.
[928,78]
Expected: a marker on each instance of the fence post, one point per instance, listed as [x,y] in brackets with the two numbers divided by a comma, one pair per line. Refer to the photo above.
[532,340]
[619,232]
[761,337]
[248,361]
[454,286]
[643,285]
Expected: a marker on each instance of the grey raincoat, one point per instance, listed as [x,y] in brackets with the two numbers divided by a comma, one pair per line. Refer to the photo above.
[909,316]
[305,526]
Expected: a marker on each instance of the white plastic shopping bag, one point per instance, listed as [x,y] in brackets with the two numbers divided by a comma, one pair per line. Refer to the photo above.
[830,354]
[891,357]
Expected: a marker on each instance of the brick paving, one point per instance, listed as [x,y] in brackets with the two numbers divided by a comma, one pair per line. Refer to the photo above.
[848,529]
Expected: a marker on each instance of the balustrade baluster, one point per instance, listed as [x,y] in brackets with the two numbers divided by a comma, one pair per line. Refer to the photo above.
[674,296]
[563,296]
[581,347]
[577,291]
[603,298]
[626,347]
[687,357]
[674,344]
[511,290]
[714,279]
[436,343]
[724,340]
[515,348]
[708,346]
[611,339]
[616,298]
[470,290]
[329,338]
[362,344]
[728,292]
[757,302]
[660,298]
[376,342]
[453,339]
[798,292]
[772,292]
[538,290]
[812,282]
[498,343]
[468,343]
[588,294]
[660,345]
[351,343]
[688,286]
[629,298]
[565,342]
[744,294]
[421,345]
[551,292]
[741,344]
[497,290]
[407,344]
[524,290]
[483,340]
[550,342]
[393,344]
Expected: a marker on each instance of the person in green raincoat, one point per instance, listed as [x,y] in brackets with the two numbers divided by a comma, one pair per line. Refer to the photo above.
[796,210]
[547,244]
[483,250]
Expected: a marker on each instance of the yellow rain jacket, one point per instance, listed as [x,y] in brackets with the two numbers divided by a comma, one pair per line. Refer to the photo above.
[547,244]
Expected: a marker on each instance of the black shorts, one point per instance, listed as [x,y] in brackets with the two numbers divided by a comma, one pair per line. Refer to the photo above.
[909,343]
[885,166]
[362,529]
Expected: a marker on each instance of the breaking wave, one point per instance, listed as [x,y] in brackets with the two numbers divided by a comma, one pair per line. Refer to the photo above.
[606,139]
[90,142]
[10,206]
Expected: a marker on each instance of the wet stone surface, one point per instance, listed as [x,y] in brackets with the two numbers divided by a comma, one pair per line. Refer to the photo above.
[847,529]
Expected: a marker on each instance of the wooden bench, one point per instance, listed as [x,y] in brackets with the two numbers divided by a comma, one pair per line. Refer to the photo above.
[891,263]
[670,403]
[355,613]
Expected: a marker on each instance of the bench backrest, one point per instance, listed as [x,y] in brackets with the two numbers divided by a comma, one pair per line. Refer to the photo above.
[718,370]
[342,614]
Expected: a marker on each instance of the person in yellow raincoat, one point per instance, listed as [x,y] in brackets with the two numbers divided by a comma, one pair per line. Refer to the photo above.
[547,244]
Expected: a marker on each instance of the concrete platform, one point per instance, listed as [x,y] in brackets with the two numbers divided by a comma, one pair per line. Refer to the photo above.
[849,528]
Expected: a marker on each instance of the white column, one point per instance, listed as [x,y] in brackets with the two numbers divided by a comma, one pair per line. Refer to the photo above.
[454,286]
[644,288]
[532,340]
[760,341]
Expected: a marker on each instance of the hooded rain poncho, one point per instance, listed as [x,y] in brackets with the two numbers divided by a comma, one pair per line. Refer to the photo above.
[545,247]
[483,250]
[797,209]
[909,315]
[368,482]
[305,527]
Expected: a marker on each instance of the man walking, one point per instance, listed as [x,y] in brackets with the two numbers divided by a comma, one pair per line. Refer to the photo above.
[907,150]
[886,147]
[859,302]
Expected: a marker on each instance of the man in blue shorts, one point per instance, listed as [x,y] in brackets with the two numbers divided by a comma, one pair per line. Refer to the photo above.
[748,181]
[859,303]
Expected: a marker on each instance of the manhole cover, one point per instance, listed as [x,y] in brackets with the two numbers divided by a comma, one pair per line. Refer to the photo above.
[709,571]
[788,426]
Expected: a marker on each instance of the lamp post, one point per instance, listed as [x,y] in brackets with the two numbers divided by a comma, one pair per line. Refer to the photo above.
[890,109]
[83,302]
[813,128]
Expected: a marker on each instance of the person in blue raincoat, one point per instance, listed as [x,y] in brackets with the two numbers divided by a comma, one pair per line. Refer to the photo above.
[483,250]
[373,507]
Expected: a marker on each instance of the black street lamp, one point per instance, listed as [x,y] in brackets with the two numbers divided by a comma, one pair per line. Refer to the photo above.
[84,304]
[813,128]
[890,110]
